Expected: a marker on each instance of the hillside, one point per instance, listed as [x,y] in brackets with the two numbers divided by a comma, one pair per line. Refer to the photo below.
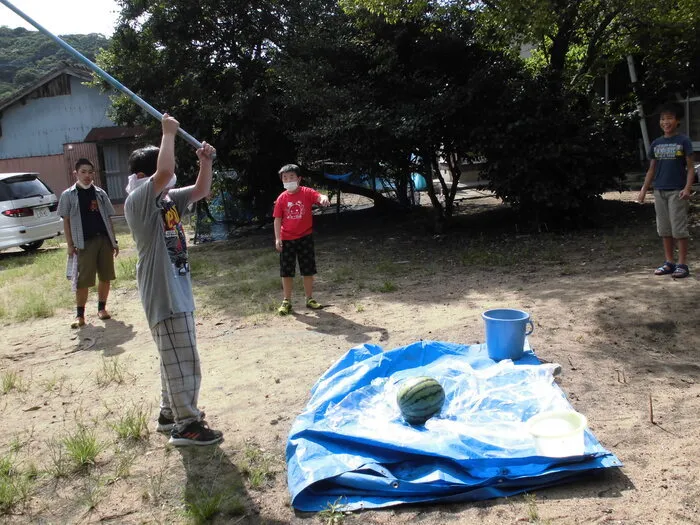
[27,55]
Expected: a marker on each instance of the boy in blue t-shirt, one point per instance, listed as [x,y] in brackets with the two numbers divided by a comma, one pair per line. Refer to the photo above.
[671,169]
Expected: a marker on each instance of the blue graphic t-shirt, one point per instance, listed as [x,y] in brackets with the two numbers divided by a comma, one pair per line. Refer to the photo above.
[670,154]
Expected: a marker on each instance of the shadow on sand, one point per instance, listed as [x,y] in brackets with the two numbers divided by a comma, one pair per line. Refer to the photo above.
[214,490]
[109,338]
[326,322]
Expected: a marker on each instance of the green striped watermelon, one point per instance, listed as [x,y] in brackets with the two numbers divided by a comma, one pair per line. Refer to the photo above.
[419,399]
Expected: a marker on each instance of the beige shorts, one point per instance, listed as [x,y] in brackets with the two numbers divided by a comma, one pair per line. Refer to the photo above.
[671,214]
[96,258]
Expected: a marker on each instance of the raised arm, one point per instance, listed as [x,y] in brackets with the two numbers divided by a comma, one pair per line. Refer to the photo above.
[202,186]
[166,156]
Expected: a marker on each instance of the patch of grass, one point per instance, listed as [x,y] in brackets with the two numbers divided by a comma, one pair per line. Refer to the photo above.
[244,282]
[124,460]
[359,308]
[533,515]
[35,304]
[54,383]
[125,268]
[93,492]
[154,492]
[11,380]
[15,486]
[60,465]
[341,274]
[202,505]
[113,371]
[387,287]
[17,444]
[204,267]
[391,268]
[332,514]
[133,425]
[82,447]
[33,286]
[256,466]
[475,258]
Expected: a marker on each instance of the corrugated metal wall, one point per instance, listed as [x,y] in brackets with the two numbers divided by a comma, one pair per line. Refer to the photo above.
[51,169]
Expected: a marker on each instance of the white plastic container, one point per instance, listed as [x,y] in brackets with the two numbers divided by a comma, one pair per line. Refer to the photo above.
[558,434]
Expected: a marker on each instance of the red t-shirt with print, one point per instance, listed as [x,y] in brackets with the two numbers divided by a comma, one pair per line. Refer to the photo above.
[295,211]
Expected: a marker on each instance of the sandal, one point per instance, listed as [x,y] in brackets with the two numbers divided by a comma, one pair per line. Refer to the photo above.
[103,314]
[666,268]
[681,271]
[78,323]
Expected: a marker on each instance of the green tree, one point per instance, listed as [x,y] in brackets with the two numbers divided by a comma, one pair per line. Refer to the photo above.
[26,56]
[208,64]
[575,40]
[551,148]
[388,100]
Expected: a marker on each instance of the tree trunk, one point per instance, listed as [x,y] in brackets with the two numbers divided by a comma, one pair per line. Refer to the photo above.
[562,40]
[432,167]
[453,163]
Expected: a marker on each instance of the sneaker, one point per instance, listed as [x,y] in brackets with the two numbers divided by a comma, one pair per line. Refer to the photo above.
[313,304]
[196,433]
[166,424]
[285,308]
[78,323]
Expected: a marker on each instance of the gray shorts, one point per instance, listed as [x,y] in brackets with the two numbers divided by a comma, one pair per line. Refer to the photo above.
[671,214]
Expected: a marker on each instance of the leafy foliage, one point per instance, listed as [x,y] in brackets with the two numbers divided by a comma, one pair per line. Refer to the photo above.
[551,153]
[26,56]
[390,87]
[669,49]
[208,64]
[390,98]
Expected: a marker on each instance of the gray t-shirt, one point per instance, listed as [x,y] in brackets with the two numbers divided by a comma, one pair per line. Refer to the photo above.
[162,270]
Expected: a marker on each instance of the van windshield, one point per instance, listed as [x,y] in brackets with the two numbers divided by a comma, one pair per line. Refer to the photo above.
[22,187]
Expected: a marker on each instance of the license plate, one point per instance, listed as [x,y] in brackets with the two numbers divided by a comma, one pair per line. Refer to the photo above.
[41,212]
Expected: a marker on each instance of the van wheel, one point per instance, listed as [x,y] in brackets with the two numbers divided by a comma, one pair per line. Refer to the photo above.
[31,246]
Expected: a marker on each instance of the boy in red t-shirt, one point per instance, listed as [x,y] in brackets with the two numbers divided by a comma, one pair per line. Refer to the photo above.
[293,235]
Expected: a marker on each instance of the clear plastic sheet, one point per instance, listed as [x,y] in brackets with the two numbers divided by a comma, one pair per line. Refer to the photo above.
[351,442]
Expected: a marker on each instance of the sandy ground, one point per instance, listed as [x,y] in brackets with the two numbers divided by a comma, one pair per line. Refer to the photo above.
[622,336]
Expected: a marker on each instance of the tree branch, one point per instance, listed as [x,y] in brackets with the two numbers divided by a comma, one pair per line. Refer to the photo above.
[594,45]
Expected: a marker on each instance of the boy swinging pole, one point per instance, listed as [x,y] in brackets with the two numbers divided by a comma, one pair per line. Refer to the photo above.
[152,210]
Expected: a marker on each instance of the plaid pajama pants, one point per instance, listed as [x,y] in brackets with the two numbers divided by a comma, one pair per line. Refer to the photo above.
[180,372]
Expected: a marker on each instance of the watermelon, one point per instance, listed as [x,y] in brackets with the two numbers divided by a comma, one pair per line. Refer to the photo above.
[419,399]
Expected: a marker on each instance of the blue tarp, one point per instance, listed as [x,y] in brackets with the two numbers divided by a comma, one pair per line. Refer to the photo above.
[380,184]
[350,444]
[419,183]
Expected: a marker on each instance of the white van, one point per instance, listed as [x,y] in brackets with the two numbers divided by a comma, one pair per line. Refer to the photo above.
[27,211]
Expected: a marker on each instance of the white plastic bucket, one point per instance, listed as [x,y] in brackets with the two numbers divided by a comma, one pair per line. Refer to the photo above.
[558,434]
